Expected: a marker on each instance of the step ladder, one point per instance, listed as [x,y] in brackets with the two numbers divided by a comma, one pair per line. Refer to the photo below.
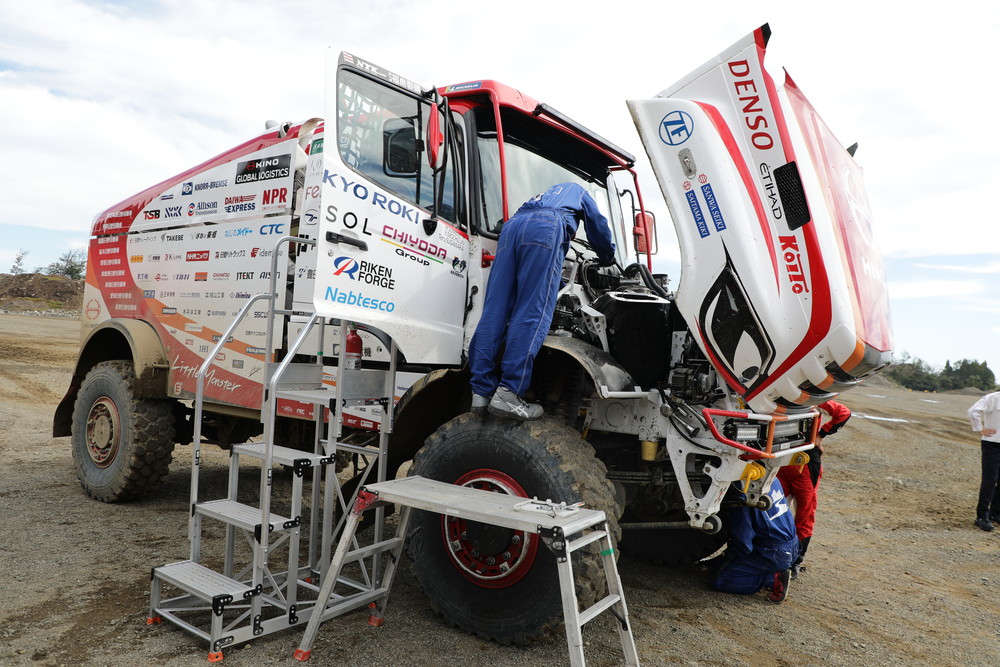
[261,583]
[554,523]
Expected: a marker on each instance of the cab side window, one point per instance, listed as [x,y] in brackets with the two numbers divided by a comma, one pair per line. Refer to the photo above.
[380,134]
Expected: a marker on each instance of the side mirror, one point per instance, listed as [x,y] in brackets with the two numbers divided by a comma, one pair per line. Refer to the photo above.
[644,233]
[435,138]
[400,157]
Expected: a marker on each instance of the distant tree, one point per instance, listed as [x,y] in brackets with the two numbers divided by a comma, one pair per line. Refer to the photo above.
[71,264]
[914,373]
[967,373]
[18,265]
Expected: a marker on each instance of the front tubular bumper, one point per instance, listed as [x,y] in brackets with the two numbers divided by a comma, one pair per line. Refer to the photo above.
[726,446]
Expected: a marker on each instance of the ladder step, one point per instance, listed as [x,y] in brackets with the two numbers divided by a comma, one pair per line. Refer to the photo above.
[357,449]
[203,583]
[286,456]
[498,509]
[318,396]
[368,550]
[298,376]
[242,516]
[581,542]
[601,605]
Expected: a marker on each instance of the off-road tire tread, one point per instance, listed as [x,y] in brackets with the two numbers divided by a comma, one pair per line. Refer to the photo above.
[574,458]
[151,446]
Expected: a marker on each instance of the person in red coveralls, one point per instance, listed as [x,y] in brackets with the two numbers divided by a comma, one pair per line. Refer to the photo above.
[801,482]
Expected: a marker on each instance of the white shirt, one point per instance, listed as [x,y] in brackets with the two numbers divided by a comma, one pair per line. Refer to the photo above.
[986,414]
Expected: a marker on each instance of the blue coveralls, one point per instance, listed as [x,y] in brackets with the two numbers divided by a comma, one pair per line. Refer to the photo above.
[760,544]
[524,282]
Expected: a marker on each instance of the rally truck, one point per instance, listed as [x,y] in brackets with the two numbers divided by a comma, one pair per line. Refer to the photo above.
[388,208]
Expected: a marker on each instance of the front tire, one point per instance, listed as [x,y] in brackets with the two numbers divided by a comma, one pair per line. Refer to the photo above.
[490,581]
[122,445]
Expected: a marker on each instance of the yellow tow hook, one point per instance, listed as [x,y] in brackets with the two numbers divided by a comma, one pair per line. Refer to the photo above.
[752,473]
[800,459]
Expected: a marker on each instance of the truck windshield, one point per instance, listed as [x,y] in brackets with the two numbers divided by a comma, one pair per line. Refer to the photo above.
[536,159]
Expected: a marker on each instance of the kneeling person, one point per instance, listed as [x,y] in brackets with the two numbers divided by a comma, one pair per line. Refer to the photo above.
[762,547]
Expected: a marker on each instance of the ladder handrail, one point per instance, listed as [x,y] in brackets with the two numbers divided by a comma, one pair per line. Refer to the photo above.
[272,405]
[274,279]
[199,394]
[199,400]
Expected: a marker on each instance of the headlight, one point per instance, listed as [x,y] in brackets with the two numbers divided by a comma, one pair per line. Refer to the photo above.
[743,431]
[788,429]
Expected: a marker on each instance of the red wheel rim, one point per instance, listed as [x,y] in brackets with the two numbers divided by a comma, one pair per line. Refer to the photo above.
[103,428]
[489,556]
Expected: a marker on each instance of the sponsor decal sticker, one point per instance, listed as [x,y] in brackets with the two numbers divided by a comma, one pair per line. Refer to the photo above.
[712,203]
[360,191]
[274,199]
[208,185]
[363,271]
[793,263]
[676,128]
[413,247]
[241,203]
[272,228]
[263,169]
[699,217]
[352,298]
[464,86]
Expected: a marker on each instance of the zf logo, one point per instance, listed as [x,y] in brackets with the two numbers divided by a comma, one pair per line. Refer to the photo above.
[676,128]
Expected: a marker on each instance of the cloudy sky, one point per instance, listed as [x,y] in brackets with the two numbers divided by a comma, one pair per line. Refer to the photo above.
[101,99]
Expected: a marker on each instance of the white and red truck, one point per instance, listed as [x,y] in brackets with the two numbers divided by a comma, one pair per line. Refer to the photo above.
[656,401]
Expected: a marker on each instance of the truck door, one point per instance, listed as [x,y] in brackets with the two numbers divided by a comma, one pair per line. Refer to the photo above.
[383,259]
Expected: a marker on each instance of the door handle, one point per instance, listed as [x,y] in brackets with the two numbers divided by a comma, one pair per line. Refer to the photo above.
[334,237]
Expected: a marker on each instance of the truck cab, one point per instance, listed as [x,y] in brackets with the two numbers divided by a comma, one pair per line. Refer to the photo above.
[416,187]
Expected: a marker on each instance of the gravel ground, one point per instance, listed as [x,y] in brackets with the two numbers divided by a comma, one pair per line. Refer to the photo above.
[897,573]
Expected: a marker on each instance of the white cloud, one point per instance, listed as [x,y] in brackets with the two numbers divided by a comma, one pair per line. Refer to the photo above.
[921,289]
[987,268]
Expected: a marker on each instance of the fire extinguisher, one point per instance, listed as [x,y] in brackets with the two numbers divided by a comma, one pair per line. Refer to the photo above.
[352,349]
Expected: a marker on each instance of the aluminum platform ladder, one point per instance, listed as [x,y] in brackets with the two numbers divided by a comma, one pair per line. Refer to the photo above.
[251,595]
[564,529]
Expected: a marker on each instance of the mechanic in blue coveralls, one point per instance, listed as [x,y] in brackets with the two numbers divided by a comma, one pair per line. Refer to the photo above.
[761,549]
[521,294]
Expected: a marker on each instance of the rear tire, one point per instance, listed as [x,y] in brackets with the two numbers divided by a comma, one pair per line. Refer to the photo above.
[122,445]
[497,583]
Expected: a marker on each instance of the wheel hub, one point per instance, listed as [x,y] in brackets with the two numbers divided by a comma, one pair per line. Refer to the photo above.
[487,555]
[103,427]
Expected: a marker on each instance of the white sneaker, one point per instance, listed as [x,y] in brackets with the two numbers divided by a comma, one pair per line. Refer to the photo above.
[479,404]
[506,403]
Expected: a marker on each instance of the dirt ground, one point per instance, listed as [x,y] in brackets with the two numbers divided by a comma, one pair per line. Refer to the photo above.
[897,573]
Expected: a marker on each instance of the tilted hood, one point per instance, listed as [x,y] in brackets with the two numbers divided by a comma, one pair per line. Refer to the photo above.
[781,280]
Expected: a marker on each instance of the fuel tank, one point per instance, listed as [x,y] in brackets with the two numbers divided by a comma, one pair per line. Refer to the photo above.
[781,282]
